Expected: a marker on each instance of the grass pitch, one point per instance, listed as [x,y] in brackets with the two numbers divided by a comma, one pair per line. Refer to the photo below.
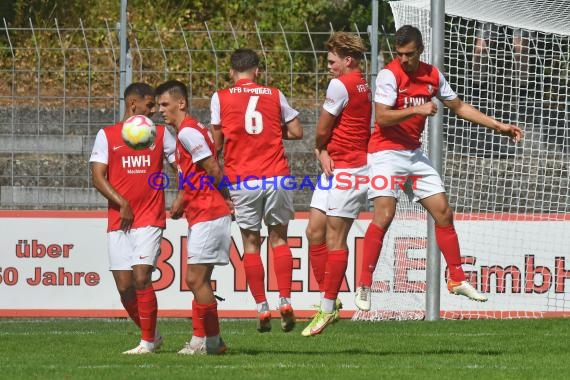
[478,349]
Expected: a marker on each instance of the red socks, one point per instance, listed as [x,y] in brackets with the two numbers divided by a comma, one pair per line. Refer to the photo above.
[205,320]
[148,310]
[283,261]
[372,246]
[449,246]
[318,257]
[255,276]
[335,269]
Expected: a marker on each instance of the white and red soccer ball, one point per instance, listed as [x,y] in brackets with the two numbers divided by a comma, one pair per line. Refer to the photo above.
[138,132]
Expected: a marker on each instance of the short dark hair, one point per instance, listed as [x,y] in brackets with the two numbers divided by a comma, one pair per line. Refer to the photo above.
[173,87]
[408,33]
[243,60]
[138,89]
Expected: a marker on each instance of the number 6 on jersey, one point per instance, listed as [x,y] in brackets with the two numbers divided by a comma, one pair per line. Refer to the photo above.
[253,118]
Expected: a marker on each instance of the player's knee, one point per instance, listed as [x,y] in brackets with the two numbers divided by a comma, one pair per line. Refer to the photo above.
[383,218]
[127,292]
[315,235]
[194,282]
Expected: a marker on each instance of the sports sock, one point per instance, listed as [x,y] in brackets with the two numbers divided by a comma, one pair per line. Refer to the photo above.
[148,310]
[283,262]
[318,258]
[372,246]
[212,323]
[198,321]
[448,243]
[335,270]
[255,276]
[132,308]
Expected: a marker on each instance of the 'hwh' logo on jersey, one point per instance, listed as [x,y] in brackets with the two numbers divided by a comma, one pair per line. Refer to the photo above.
[136,161]
[414,101]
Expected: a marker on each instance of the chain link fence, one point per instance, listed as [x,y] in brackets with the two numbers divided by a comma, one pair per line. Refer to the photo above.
[59,86]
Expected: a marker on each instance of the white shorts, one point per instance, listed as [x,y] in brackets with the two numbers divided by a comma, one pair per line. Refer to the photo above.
[139,246]
[267,199]
[343,198]
[209,242]
[389,169]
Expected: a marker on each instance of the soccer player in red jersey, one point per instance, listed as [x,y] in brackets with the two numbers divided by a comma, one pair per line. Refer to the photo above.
[136,214]
[207,213]
[342,135]
[402,103]
[250,122]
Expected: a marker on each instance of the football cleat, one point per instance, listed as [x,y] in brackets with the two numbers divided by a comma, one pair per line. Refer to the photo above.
[337,307]
[264,319]
[215,346]
[141,349]
[363,298]
[318,324]
[287,315]
[464,288]
[196,346]
[158,341]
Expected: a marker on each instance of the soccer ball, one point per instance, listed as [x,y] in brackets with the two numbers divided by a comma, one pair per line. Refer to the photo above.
[138,132]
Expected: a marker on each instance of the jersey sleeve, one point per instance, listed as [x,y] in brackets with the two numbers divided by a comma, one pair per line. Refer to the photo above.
[386,88]
[100,152]
[194,142]
[215,118]
[444,91]
[169,146]
[336,98]
[287,112]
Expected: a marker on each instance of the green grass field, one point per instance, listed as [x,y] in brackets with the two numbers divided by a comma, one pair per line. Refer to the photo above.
[478,349]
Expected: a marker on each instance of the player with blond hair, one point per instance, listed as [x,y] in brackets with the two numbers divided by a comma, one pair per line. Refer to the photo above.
[342,134]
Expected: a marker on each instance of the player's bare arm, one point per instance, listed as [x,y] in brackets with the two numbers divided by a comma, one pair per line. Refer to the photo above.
[99,175]
[387,116]
[325,125]
[292,130]
[472,114]
[218,137]
[324,129]
[212,168]
[327,163]
[177,207]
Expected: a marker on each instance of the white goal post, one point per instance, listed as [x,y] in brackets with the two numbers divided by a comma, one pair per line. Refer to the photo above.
[510,59]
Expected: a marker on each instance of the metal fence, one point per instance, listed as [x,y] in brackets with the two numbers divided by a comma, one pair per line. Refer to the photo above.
[59,86]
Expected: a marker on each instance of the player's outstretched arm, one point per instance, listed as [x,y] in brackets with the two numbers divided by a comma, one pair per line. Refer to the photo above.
[472,114]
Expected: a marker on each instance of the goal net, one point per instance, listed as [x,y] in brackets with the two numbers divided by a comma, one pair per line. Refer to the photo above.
[509,58]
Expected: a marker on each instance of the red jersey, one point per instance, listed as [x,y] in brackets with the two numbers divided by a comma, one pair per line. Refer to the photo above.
[412,90]
[349,101]
[251,120]
[201,202]
[128,172]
